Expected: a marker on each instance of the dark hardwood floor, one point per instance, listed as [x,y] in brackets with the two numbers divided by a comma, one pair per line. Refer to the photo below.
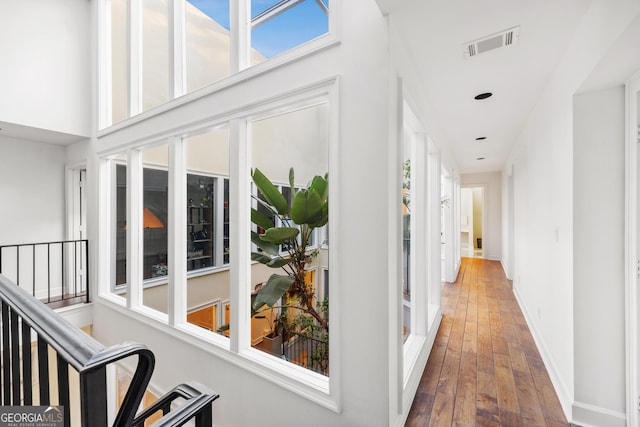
[484,369]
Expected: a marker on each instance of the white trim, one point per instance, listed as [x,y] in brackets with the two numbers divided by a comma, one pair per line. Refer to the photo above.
[239,226]
[135,237]
[593,416]
[177,224]
[79,315]
[240,32]
[315,46]
[632,346]
[285,102]
[301,381]
[434,251]
[506,273]
[335,335]
[412,382]
[560,387]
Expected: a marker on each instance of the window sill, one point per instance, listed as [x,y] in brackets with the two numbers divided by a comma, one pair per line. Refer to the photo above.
[301,381]
[164,280]
[316,45]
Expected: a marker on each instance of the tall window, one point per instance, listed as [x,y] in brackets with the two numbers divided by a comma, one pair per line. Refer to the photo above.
[290,164]
[274,27]
[207,205]
[172,229]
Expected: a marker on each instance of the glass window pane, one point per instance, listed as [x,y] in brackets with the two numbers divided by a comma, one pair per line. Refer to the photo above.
[208,47]
[295,327]
[200,221]
[155,225]
[120,225]
[119,62]
[155,53]
[278,26]
[406,237]
[207,234]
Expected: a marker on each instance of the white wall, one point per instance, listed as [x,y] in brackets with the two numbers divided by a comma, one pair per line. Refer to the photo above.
[544,188]
[598,249]
[492,236]
[32,191]
[47,84]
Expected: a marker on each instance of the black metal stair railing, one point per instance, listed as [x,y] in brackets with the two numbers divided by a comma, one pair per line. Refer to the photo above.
[23,318]
[53,272]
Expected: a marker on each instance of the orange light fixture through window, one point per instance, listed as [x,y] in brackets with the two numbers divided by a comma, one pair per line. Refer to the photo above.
[149,220]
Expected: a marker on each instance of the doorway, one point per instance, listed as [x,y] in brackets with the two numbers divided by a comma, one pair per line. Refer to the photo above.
[472,221]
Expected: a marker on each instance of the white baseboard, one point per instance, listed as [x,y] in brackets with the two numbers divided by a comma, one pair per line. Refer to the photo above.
[593,416]
[566,400]
[80,315]
[506,270]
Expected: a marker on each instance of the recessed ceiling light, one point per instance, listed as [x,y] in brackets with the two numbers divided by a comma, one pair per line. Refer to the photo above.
[479,158]
[484,95]
[481,138]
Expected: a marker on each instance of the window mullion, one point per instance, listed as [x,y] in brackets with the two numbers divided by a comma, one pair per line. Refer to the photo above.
[177,52]
[435,222]
[218,233]
[105,77]
[239,231]
[134,228]
[419,298]
[177,244]
[240,19]
[135,57]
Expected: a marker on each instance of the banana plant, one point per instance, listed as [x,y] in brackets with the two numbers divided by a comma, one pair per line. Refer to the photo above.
[306,210]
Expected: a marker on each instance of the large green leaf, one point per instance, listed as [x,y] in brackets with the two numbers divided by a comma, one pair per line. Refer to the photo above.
[265,246]
[292,181]
[261,220]
[261,258]
[272,291]
[306,207]
[273,262]
[270,192]
[321,186]
[325,217]
[279,235]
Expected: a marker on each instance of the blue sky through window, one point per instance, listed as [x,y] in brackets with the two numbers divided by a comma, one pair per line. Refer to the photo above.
[297,25]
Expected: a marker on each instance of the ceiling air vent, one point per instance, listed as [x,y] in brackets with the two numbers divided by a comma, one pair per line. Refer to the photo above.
[504,38]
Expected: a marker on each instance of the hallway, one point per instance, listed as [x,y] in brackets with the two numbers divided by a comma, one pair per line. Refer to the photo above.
[484,368]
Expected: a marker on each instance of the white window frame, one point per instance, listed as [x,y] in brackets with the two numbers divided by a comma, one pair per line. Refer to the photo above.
[325,391]
[241,67]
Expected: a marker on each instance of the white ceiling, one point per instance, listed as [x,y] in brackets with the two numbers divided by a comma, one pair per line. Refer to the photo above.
[434,32]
